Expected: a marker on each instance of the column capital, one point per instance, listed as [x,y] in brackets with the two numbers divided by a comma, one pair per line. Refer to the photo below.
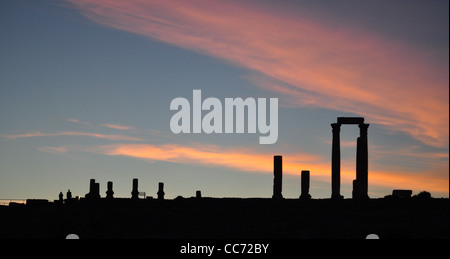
[336,127]
[363,128]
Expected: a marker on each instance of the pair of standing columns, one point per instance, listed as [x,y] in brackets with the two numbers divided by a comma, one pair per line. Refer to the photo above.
[360,185]
[278,180]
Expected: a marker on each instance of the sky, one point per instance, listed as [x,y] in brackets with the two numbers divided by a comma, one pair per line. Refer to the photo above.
[86,87]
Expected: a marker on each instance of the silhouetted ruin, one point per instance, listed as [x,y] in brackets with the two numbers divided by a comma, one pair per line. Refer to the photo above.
[110,192]
[360,184]
[277,177]
[135,192]
[94,190]
[204,217]
[305,185]
[402,194]
[161,191]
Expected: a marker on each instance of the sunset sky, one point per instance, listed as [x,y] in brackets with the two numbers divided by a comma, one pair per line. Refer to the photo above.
[86,86]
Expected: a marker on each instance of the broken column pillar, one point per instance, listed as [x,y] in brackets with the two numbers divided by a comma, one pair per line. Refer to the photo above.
[135,192]
[97,191]
[110,192]
[278,177]
[161,191]
[198,194]
[90,194]
[305,185]
[94,190]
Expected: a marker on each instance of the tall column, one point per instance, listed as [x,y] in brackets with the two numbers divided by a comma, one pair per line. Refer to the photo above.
[135,192]
[336,162]
[278,177]
[356,194]
[363,161]
[305,185]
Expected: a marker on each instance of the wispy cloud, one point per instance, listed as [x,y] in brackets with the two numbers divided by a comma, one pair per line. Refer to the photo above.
[249,160]
[117,126]
[53,150]
[72,133]
[310,63]
[77,121]
[240,158]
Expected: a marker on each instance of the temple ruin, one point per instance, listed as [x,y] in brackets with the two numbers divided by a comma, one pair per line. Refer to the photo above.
[360,184]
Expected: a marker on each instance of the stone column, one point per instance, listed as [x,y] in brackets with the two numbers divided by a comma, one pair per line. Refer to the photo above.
[90,194]
[161,191]
[356,193]
[110,192]
[363,161]
[278,177]
[305,185]
[336,162]
[135,192]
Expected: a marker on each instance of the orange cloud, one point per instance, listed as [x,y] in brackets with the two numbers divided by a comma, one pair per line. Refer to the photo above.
[247,160]
[312,64]
[237,158]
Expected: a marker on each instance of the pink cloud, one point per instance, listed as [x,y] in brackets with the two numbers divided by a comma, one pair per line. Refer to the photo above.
[117,126]
[72,133]
[253,161]
[77,121]
[311,64]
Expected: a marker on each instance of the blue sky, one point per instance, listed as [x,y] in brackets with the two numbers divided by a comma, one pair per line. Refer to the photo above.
[85,89]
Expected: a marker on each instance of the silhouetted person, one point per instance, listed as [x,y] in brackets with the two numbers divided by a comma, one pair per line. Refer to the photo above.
[61,196]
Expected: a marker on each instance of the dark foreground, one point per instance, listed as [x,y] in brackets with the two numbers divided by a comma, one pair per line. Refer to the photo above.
[210,218]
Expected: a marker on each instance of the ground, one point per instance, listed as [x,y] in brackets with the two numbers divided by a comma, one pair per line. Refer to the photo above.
[228,218]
